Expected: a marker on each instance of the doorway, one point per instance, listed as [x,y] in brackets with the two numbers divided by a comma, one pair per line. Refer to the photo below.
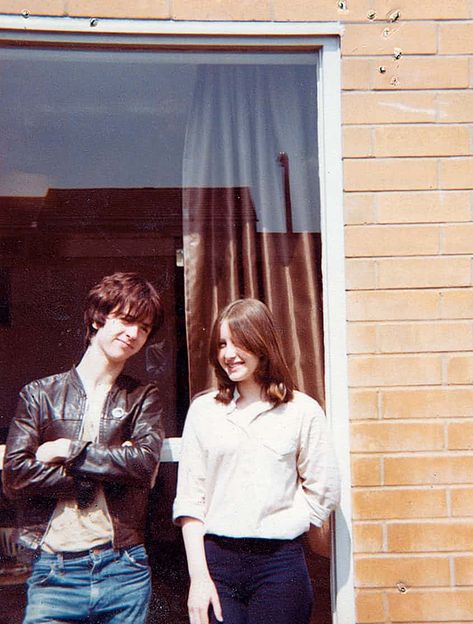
[96,181]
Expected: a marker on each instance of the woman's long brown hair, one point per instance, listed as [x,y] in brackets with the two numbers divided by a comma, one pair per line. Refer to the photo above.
[252,328]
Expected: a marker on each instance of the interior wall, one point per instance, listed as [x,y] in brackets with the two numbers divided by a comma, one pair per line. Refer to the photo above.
[45,335]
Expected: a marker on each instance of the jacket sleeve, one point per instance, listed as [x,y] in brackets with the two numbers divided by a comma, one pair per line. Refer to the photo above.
[317,466]
[137,463]
[23,475]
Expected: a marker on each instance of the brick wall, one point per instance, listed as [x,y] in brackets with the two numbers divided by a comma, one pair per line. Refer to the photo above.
[409,245]
[408,178]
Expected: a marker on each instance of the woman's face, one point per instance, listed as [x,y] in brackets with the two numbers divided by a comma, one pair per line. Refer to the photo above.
[240,365]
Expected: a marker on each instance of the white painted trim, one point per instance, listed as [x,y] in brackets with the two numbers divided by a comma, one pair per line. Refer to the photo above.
[168,27]
[171,450]
[333,271]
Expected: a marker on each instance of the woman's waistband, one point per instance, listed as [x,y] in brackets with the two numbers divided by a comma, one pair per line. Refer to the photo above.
[251,544]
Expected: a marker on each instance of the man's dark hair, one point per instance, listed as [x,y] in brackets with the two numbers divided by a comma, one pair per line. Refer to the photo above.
[127,295]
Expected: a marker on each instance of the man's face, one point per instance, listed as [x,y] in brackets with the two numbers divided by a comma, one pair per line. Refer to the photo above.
[118,339]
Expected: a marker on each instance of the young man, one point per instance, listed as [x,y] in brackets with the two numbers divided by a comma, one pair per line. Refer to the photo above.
[82,454]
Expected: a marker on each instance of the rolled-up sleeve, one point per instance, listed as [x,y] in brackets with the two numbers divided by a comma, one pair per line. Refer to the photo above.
[317,467]
[190,498]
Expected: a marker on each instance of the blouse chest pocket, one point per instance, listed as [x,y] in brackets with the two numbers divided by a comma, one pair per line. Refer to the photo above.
[282,447]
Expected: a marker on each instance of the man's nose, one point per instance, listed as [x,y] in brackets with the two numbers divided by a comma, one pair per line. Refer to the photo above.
[132,331]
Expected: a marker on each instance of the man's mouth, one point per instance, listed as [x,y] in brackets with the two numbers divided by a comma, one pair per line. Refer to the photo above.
[124,342]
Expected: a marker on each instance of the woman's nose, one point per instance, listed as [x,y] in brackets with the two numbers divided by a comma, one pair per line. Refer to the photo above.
[230,351]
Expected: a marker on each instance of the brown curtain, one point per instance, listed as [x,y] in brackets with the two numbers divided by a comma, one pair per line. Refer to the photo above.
[250,225]
[226,258]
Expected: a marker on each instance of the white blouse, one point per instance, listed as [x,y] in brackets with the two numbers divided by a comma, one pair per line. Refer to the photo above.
[257,472]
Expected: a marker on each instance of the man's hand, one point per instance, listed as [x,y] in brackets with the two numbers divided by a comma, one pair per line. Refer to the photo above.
[54,452]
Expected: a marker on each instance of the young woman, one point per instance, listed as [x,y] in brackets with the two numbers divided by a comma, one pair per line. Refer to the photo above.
[256,469]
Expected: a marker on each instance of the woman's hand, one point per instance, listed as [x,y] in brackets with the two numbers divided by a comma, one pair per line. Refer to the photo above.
[202,594]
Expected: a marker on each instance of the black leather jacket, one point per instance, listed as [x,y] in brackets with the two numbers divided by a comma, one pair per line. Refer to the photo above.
[54,407]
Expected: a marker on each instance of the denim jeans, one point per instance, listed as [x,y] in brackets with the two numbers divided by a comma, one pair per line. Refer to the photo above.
[104,587]
[260,581]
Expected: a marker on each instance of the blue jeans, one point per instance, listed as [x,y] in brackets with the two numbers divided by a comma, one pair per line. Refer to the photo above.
[103,587]
[260,581]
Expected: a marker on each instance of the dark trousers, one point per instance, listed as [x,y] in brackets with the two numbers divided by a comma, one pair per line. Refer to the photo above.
[260,581]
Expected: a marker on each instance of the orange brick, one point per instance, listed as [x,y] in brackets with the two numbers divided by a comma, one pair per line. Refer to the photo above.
[359,208]
[392,305]
[455,106]
[462,501]
[365,471]
[357,73]
[375,38]
[422,72]
[394,370]
[438,606]
[361,338]
[244,10]
[360,274]
[428,469]
[455,38]
[423,207]
[301,10]
[423,272]
[381,437]
[379,504]
[119,8]
[357,142]
[458,239]
[456,173]
[363,404]
[409,337]
[427,403]
[421,140]
[388,107]
[460,369]
[388,174]
[427,9]
[389,240]
[460,435]
[35,7]
[367,537]
[322,10]
[386,571]
[452,535]
[464,570]
[457,303]
[424,337]
[369,608]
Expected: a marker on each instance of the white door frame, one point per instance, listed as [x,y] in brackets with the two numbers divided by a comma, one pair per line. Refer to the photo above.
[321,36]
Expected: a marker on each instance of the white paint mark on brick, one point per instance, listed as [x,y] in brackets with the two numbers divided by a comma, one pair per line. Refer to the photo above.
[409,109]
